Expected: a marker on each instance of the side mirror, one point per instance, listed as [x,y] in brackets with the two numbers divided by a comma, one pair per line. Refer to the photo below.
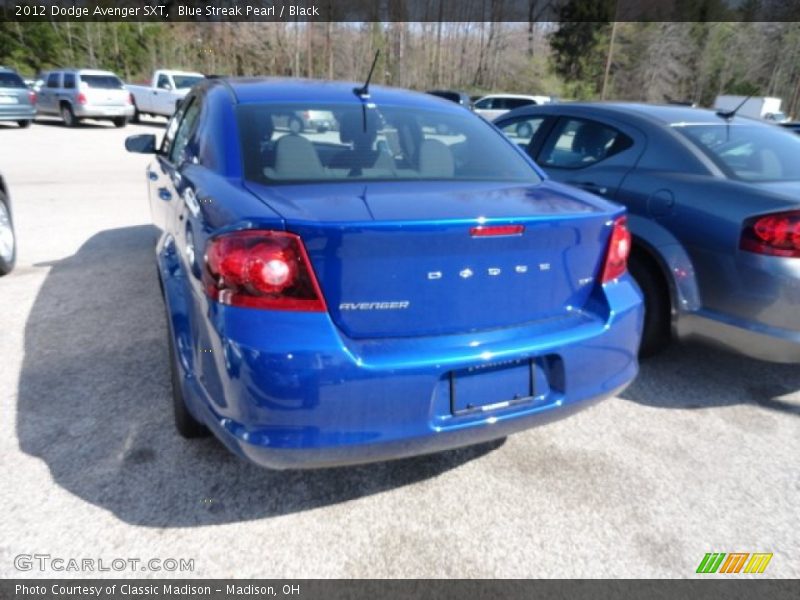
[144,143]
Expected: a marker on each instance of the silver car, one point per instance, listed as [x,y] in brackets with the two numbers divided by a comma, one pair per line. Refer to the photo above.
[75,94]
[17,101]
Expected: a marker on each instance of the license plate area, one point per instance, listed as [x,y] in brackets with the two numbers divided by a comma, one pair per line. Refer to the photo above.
[493,387]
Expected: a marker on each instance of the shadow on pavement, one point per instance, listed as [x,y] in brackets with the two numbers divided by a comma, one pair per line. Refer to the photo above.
[94,405]
[704,377]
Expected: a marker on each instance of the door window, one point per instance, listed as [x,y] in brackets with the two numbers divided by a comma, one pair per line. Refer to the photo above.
[163,82]
[579,143]
[184,132]
[53,80]
[69,81]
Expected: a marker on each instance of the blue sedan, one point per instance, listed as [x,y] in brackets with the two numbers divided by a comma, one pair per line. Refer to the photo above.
[714,209]
[403,283]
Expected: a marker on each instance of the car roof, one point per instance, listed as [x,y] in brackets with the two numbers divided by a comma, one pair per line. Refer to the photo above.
[80,71]
[521,96]
[278,89]
[660,114]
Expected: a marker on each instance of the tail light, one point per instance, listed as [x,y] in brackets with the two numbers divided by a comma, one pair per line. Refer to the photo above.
[619,249]
[81,98]
[777,234]
[261,269]
[32,97]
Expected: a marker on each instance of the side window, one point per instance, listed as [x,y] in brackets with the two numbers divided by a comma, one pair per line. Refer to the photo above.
[513,103]
[578,143]
[521,131]
[184,132]
[163,82]
[69,81]
[53,80]
[484,104]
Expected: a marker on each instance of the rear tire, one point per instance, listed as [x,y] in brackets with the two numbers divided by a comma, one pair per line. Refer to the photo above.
[137,117]
[185,423]
[68,116]
[8,241]
[120,122]
[657,305]
[24,123]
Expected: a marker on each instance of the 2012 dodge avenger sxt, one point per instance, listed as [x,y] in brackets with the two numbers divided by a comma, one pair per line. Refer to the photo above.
[404,282]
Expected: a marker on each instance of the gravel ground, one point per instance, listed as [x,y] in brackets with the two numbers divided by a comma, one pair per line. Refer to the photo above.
[698,455]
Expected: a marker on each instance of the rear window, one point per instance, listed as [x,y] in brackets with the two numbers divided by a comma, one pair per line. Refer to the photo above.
[103,82]
[185,81]
[749,152]
[303,143]
[11,80]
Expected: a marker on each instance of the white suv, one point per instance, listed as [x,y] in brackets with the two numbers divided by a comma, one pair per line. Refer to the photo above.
[492,106]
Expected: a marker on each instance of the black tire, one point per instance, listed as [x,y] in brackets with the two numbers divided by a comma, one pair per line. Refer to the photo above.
[68,116]
[185,423]
[120,122]
[137,116]
[24,123]
[7,229]
[657,305]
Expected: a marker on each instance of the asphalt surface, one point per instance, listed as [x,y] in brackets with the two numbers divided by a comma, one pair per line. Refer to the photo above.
[700,454]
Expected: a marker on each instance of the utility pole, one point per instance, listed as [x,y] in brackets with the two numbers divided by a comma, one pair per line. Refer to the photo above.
[609,58]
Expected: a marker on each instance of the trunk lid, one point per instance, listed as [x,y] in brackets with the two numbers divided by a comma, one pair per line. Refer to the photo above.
[399,259]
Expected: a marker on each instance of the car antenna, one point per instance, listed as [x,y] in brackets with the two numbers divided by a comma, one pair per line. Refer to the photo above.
[363,91]
[729,114]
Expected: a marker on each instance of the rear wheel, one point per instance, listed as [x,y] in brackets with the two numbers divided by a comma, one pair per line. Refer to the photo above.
[137,117]
[24,123]
[8,245]
[120,122]
[656,334]
[185,423]
[68,116]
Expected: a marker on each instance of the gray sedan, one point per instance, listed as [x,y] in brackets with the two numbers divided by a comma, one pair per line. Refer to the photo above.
[713,204]
[17,101]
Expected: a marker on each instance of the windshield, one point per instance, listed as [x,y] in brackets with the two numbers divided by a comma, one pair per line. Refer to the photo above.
[11,80]
[103,82]
[749,152]
[317,142]
[186,81]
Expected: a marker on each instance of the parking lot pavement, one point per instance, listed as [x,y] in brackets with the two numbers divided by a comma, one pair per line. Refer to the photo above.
[698,455]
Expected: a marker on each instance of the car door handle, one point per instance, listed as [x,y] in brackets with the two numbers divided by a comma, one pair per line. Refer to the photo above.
[152,175]
[164,194]
[590,187]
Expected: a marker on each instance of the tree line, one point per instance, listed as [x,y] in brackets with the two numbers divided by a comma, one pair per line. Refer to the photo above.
[591,59]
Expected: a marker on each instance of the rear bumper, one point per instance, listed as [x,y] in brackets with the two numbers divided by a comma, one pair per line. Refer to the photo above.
[93,111]
[289,391]
[748,338]
[20,113]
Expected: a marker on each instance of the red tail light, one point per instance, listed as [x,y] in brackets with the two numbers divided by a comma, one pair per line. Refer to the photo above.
[261,269]
[81,98]
[775,235]
[496,230]
[619,249]
[32,97]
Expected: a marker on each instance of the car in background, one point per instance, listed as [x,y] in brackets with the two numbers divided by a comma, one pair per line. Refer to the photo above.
[166,91]
[461,98]
[386,294]
[495,105]
[8,240]
[77,94]
[714,209]
[17,101]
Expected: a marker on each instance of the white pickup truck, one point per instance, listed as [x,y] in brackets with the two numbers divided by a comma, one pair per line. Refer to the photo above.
[164,94]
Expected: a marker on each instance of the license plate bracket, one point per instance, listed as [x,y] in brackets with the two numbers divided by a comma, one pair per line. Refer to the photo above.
[492,387]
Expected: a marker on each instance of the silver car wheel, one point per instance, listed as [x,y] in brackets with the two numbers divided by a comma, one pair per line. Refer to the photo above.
[6,235]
